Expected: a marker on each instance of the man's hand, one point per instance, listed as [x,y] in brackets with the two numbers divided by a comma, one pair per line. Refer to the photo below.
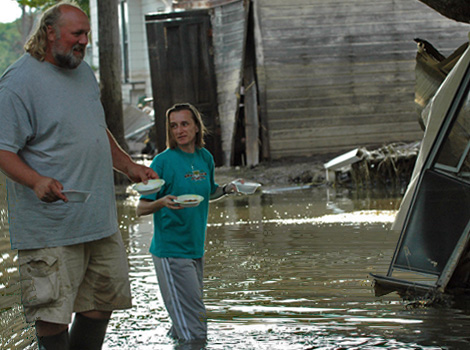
[140,173]
[46,189]
[49,190]
[123,163]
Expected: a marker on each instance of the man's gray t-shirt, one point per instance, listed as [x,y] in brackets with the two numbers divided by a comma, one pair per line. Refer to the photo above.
[53,119]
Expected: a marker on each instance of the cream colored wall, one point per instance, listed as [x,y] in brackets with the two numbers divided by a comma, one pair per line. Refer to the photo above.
[137,44]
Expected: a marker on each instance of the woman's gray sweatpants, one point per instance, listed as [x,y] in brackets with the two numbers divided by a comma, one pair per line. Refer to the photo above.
[181,286]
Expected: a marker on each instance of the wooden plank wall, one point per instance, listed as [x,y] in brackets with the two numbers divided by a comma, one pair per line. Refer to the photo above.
[229,30]
[339,74]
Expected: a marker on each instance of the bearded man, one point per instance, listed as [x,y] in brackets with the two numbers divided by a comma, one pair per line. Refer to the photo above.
[53,138]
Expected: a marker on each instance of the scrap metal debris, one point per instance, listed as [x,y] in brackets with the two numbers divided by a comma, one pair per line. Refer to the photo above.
[390,166]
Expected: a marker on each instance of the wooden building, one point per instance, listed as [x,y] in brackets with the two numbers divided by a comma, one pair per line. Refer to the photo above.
[294,78]
[328,76]
[335,75]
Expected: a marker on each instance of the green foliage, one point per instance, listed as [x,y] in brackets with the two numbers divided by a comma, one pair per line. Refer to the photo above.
[85,5]
[44,4]
[11,47]
[36,4]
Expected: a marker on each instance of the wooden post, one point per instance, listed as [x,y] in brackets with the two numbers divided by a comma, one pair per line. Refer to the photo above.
[262,82]
[252,125]
[110,72]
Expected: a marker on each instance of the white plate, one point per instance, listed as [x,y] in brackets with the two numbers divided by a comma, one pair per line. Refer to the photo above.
[247,187]
[152,186]
[75,196]
[189,200]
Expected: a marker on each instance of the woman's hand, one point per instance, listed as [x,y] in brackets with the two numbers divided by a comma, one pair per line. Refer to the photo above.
[231,187]
[225,189]
[169,202]
[146,206]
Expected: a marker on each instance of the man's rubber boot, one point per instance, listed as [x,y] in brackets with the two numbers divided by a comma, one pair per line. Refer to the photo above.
[87,333]
[54,342]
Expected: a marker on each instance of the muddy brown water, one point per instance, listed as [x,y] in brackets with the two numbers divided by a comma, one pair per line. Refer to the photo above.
[284,270]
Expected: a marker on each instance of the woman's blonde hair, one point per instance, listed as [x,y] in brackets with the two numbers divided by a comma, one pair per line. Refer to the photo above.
[37,43]
[170,140]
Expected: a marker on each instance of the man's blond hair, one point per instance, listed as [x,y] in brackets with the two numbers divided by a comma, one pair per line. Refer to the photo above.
[37,43]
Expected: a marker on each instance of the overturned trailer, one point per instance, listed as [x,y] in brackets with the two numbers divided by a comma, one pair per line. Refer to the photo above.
[432,255]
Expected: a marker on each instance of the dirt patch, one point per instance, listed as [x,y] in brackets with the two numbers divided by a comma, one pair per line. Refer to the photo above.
[389,166]
[277,173]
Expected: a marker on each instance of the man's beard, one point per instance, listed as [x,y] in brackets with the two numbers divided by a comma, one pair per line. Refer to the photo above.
[68,59]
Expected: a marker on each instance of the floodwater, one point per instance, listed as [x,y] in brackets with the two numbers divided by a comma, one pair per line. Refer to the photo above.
[284,270]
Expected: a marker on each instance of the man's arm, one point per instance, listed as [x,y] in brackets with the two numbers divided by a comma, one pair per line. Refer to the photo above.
[123,163]
[46,189]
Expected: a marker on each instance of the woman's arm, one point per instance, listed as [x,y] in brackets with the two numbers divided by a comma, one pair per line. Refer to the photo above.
[146,206]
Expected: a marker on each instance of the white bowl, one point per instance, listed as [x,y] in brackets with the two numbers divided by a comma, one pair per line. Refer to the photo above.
[152,186]
[246,187]
[189,200]
[75,196]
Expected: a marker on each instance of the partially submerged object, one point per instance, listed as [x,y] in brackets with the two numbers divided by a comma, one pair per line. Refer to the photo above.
[343,161]
[390,165]
[432,254]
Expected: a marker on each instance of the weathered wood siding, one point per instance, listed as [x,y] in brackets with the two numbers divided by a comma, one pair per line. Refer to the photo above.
[338,74]
[229,26]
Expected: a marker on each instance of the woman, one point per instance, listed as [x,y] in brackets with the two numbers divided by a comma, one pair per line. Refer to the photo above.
[179,233]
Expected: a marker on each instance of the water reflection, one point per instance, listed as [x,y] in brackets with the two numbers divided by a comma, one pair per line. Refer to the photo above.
[15,333]
[287,270]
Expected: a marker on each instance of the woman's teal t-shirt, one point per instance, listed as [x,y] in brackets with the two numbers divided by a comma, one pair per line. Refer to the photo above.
[181,233]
